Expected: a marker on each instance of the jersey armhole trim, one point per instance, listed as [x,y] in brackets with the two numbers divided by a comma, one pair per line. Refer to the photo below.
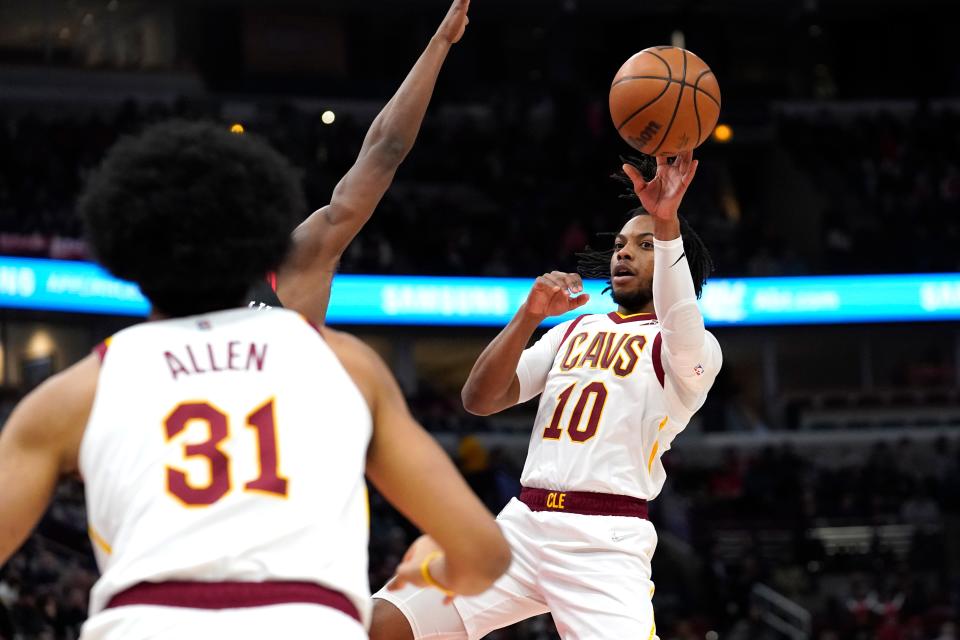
[272,280]
[313,325]
[658,358]
[573,325]
[101,349]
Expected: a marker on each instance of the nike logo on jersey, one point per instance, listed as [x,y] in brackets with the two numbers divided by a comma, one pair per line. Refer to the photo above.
[617,352]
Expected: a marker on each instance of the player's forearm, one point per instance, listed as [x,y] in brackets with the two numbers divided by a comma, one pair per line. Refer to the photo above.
[675,299]
[394,131]
[489,388]
[474,573]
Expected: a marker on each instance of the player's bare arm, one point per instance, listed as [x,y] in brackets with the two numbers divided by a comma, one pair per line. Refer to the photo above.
[39,444]
[493,384]
[411,470]
[304,280]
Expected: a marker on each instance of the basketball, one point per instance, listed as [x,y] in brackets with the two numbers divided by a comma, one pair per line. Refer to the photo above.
[664,100]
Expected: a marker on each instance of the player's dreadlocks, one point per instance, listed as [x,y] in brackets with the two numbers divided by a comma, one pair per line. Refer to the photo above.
[595,263]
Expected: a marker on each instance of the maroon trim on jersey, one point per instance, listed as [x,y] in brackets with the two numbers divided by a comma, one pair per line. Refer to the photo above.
[272,280]
[657,355]
[314,326]
[583,502]
[573,325]
[637,317]
[232,595]
[101,349]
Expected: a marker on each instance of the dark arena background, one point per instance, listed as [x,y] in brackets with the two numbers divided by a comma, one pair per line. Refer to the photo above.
[816,495]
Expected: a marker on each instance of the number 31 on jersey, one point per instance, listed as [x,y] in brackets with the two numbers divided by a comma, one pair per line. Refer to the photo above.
[261,420]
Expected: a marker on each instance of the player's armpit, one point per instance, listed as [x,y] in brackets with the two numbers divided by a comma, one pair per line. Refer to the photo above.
[411,470]
[39,443]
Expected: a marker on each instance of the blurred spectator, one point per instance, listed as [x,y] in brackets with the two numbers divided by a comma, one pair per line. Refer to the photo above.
[533,189]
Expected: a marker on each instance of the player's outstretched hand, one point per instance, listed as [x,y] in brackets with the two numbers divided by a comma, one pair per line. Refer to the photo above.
[661,196]
[556,293]
[411,569]
[453,26]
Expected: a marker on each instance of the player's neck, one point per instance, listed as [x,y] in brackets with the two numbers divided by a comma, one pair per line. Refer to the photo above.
[647,308]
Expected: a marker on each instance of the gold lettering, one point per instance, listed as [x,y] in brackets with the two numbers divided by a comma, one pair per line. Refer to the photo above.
[610,352]
[560,501]
[627,361]
[570,360]
[593,351]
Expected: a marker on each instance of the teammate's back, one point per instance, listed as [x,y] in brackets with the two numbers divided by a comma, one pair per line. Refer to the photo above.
[227,446]
[224,448]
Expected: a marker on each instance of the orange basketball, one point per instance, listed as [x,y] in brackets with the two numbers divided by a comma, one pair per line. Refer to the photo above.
[664,100]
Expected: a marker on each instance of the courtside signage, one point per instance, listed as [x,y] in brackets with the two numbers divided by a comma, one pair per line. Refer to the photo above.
[54,285]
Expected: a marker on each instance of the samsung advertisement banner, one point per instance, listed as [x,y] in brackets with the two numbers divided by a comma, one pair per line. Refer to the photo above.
[78,287]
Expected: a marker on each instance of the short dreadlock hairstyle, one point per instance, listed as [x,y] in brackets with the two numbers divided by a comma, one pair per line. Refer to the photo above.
[191,213]
[595,263]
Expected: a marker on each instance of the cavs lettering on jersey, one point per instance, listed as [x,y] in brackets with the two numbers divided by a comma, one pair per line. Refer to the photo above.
[226,447]
[607,411]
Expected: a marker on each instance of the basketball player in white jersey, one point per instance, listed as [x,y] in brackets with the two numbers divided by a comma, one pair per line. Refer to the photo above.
[615,390]
[304,279]
[224,449]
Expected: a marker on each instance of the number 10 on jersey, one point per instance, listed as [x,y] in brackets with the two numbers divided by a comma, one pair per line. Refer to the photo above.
[261,420]
[598,392]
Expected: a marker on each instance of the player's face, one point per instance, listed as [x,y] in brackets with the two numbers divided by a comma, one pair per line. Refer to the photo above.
[631,267]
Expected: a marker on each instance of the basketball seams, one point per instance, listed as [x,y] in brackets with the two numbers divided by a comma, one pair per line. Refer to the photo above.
[666,85]
[696,113]
[646,76]
[696,107]
[705,73]
[676,106]
[696,85]
[664,61]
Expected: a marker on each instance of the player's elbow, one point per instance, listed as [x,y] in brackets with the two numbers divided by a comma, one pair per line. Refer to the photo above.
[477,403]
[487,561]
[390,151]
[498,559]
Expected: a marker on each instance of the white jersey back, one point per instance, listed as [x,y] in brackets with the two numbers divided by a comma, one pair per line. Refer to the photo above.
[227,447]
[607,411]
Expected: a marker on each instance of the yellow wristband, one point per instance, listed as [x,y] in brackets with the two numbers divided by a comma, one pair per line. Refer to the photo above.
[425,573]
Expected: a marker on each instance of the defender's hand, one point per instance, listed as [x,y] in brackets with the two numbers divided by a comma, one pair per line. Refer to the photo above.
[661,196]
[453,26]
[551,294]
[410,570]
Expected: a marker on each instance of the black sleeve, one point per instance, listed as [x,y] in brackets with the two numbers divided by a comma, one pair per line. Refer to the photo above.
[262,296]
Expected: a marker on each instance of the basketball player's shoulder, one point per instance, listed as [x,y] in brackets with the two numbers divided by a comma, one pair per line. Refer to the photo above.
[361,361]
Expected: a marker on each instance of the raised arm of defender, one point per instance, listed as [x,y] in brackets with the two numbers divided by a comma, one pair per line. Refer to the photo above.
[304,280]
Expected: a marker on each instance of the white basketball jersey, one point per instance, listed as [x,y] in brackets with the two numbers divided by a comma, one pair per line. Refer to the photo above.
[607,411]
[227,447]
